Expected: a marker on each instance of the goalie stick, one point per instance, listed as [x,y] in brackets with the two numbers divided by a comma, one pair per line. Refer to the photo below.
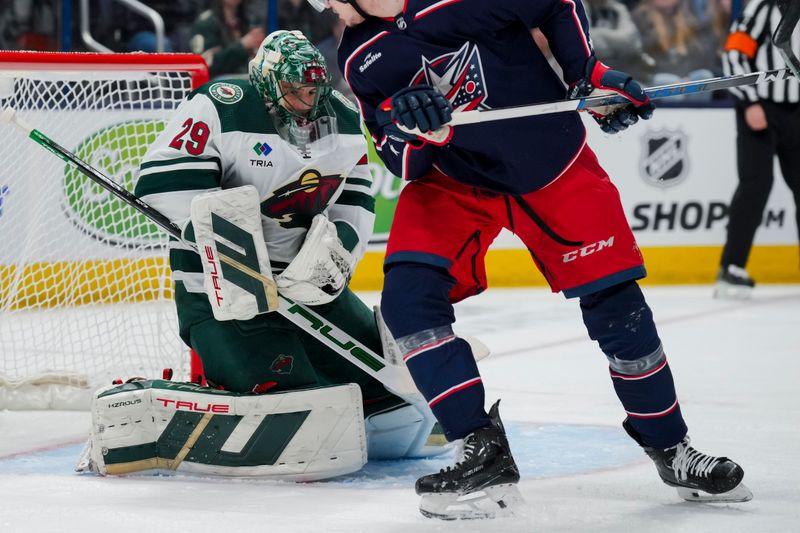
[392,376]
[781,39]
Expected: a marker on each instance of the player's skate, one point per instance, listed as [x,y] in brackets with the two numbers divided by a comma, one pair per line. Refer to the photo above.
[482,483]
[697,477]
[733,282]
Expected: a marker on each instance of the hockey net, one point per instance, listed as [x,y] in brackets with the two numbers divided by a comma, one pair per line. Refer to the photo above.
[85,289]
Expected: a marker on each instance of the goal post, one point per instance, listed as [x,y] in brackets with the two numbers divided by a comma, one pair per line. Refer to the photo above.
[85,288]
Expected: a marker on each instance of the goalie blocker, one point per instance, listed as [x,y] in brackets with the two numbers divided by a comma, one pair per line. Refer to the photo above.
[237,276]
[304,435]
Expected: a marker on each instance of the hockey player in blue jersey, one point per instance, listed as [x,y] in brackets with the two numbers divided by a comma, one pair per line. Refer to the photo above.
[411,64]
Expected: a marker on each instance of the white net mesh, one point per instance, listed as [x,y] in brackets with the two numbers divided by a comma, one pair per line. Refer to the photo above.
[85,291]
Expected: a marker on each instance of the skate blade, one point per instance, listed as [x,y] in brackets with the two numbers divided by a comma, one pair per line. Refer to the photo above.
[740,493]
[498,501]
[726,291]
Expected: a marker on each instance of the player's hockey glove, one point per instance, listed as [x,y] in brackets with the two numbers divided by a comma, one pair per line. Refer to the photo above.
[613,119]
[418,114]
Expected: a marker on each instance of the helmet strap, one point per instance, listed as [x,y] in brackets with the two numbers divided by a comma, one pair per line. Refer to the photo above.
[359,9]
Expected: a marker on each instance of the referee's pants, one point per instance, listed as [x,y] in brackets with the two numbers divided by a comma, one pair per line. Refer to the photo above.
[755,154]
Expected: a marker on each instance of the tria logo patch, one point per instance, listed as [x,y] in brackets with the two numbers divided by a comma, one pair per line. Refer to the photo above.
[283,364]
[226,93]
[262,149]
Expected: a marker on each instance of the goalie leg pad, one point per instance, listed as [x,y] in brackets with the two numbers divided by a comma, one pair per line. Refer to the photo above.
[394,356]
[303,435]
[406,431]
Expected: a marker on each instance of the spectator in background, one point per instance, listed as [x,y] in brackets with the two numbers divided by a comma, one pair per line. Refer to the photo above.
[178,16]
[328,47]
[767,124]
[299,15]
[121,29]
[27,25]
[225,38]
[714,20]
[615,37]
[670,36]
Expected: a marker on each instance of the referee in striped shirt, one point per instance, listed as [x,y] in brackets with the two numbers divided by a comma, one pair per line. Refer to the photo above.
[768,124]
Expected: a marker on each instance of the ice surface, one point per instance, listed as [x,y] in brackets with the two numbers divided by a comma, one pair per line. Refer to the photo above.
[737,369]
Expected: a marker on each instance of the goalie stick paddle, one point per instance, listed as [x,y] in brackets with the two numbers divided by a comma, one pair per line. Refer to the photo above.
[358,354]
[782,39]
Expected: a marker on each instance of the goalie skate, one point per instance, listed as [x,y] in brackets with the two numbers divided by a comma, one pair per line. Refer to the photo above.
[482,483]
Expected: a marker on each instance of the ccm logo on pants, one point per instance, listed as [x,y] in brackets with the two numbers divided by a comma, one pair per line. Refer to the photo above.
[589,249]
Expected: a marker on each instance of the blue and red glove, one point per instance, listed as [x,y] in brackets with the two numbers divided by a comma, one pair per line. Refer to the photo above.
[418,114]
[598,76]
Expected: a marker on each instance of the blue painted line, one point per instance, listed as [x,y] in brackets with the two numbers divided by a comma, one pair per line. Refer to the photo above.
[56,461]
[541,451]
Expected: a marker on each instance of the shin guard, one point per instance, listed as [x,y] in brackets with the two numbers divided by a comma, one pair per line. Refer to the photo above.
[621,322]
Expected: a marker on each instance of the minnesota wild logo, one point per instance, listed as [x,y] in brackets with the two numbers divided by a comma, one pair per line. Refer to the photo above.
[295,204]
[283,364]
[226,93]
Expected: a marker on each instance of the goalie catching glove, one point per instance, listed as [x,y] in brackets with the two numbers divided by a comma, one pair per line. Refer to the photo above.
[600,78]
[321,269]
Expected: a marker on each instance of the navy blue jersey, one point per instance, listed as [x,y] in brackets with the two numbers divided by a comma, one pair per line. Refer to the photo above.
[480,55]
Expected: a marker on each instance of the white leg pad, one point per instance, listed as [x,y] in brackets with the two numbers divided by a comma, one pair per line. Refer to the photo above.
[157,425]
[407,431]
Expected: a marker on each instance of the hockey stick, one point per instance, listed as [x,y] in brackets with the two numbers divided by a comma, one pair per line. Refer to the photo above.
[393,377]
[781,39]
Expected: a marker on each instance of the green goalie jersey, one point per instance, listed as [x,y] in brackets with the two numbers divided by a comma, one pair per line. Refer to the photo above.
[223,137]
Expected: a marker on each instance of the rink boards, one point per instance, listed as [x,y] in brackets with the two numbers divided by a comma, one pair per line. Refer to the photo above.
[676,174]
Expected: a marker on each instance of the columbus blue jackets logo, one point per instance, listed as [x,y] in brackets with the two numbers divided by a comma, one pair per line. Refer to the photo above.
[664,162]
[295,204]
[458,75]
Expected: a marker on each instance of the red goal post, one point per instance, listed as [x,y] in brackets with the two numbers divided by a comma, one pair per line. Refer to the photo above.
[81,62]
[85,287]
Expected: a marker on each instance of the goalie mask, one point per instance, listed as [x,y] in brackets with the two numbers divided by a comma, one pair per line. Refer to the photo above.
[292,77]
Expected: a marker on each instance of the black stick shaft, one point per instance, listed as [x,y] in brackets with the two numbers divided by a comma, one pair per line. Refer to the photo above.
[115,189]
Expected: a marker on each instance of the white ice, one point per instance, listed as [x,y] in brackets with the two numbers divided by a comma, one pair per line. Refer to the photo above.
[737,370]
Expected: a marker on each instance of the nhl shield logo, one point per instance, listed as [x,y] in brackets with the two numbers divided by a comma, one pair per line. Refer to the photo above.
[664,161]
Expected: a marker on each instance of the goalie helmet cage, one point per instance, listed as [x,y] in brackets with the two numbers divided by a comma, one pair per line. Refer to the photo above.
[85,288]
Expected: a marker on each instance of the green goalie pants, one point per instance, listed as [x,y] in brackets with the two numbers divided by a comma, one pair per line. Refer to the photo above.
[241,355]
